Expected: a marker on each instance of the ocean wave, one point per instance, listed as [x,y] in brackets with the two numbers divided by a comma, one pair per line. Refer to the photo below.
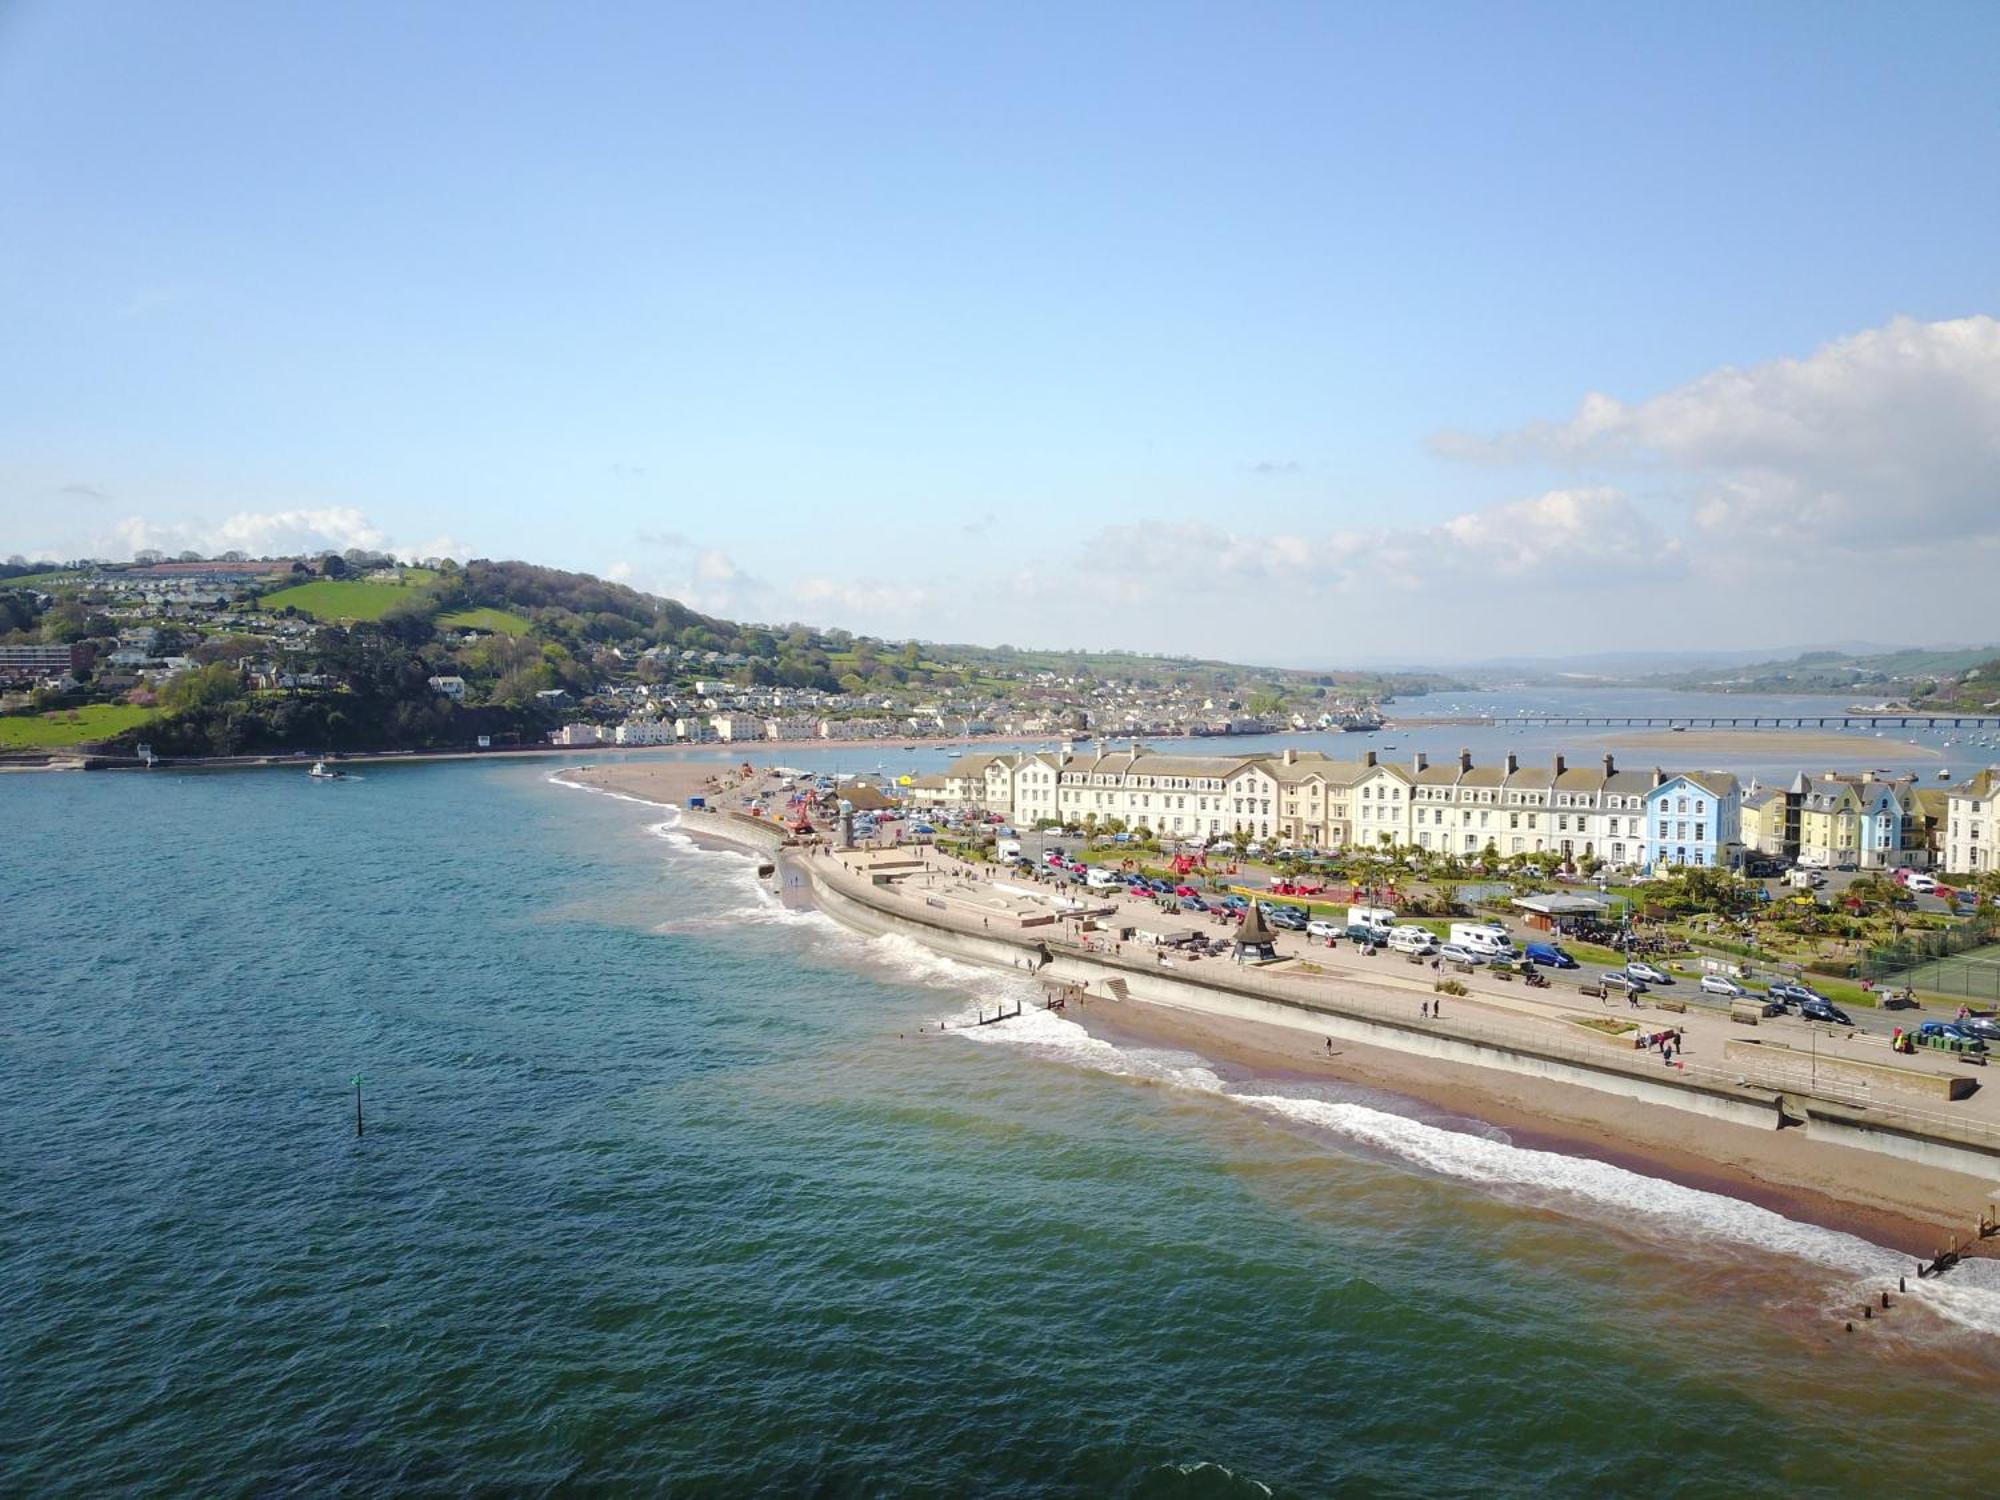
[1579,1186]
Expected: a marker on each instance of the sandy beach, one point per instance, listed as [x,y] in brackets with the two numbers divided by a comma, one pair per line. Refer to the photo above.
[669,782]
[1890,1203]
[1791,744]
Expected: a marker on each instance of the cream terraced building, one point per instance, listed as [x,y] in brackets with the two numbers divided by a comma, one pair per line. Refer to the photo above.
[1310,800]
[1972,825]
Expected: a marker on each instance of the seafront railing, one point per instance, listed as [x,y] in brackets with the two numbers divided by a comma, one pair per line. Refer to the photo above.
[1316,994]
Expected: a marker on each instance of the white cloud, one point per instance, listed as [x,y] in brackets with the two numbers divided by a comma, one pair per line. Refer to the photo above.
[257,533]
[1578,535]
[1887,438]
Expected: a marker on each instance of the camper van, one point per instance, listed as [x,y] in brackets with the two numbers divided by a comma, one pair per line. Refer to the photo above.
[1370,916]
[1416,940]
[1007,850]
[1487,939]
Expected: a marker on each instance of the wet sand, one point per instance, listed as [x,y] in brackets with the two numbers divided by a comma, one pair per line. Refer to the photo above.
[1792,744]
[1877,1198]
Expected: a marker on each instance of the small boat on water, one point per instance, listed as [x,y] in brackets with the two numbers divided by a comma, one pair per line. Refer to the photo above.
[321,771]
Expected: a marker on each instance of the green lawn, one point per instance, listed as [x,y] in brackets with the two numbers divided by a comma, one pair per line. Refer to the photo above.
[347,599]
[499,621]
[43,580]
[97,721]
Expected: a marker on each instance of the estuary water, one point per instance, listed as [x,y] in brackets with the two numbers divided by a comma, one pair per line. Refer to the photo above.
[662,1192]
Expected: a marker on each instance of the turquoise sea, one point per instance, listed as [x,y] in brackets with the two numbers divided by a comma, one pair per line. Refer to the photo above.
[661,1193]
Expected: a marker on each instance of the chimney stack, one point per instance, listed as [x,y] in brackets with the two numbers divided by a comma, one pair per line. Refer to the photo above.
[1420,762]
[1659,777]
[1291,755]
[1368,759]
[1464,761]
[1513,762]
[1610,768]
[1559,765]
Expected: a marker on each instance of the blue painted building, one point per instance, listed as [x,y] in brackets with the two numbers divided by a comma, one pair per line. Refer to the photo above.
[1694,818]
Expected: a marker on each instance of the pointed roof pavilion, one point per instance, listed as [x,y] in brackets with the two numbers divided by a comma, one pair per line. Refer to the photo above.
[1254,937]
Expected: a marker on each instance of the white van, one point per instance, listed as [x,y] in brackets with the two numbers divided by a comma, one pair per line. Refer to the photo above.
[1101,879]
[1487,939]
[1007,850]
[1370,916]
[1408,939]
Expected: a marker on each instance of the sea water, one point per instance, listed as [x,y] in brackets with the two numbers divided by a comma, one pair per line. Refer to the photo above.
[667,1188]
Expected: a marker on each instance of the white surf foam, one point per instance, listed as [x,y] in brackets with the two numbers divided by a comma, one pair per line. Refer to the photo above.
[1579,1186]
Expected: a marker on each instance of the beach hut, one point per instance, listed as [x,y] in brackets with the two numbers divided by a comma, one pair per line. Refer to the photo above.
[1254,937]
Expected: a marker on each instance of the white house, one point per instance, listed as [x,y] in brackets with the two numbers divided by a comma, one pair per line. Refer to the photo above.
[449,687]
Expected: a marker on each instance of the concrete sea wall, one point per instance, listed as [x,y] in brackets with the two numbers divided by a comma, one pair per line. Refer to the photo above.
[1224,991]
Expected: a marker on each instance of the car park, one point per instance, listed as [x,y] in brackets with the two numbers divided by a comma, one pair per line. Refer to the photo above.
[1722,984]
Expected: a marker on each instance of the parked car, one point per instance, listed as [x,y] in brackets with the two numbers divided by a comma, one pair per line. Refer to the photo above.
[1789,994]
[1185,891]
[1290,918]
[1648,973]
[1319,927]
[1551,955]
[1822,1010]
[1722,984]
[1618,979]
[922,828]
[1236,903]
[1984,1027]
[1458,953]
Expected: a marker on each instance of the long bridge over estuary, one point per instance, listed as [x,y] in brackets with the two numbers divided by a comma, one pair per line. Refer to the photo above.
[1728,721]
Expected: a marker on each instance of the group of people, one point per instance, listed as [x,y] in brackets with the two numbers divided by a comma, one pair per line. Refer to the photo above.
[1666,1043]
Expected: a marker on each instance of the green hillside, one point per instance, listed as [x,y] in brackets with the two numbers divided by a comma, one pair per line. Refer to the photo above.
[499,621]
[97,721]
[350,599]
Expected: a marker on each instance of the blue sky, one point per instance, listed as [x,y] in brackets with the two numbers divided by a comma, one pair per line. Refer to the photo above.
[1252,329]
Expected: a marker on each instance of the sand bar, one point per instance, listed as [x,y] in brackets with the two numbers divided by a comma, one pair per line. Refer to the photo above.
[1789,744]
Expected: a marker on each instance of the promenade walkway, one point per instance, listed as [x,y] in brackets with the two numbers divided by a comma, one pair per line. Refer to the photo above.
[922,885]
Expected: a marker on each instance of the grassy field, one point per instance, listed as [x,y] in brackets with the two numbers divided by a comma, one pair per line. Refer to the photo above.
[347,599]
[43,580]
[499,621]
[98,721]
